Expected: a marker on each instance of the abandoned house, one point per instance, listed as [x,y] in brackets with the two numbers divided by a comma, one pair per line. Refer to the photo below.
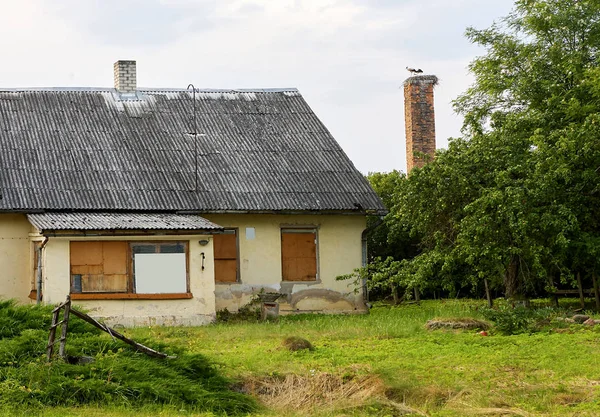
[163,206]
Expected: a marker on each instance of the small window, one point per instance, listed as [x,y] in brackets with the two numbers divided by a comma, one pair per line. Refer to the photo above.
[299,254]
[226,256]
[124,267]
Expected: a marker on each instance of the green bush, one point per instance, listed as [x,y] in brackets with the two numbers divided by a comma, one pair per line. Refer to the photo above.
[518,319]
[118,376]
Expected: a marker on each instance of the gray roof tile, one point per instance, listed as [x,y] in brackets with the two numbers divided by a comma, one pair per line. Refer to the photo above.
[120,221]
[84,149]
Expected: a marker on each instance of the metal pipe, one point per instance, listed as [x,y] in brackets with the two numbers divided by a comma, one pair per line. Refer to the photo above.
[38,284]
[195,137]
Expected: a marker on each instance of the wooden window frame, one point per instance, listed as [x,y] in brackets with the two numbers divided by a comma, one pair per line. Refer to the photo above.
[301,229]
[131,293]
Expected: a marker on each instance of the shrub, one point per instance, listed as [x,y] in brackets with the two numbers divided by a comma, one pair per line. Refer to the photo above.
[518,319]
[295,343]
[118,376]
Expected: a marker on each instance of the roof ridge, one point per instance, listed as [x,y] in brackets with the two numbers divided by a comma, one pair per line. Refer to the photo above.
[149,89]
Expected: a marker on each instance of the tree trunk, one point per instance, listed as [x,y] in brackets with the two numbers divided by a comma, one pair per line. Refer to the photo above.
[395,295]
[511,278]
[580,288]
[488,295]
[596,292]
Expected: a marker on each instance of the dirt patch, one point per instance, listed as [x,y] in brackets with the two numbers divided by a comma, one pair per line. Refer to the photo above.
[464,323]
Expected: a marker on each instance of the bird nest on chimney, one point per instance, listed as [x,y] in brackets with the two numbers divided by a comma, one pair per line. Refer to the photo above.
[420,79]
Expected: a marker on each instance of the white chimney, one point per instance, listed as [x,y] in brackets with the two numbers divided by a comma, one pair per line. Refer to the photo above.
[125,76]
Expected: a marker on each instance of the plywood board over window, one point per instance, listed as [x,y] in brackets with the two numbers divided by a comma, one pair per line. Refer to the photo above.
[99,267]
[226,256]
[299,254]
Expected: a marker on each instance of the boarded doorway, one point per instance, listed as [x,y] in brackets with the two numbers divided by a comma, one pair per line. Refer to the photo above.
[226,257]
[299,254]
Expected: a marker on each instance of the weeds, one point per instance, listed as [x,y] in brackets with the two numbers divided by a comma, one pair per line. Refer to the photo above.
[249,312]
[462,323]
[295,343]
[509,320]
[410,370]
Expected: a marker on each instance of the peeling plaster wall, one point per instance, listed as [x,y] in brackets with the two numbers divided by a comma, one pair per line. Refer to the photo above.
[15,257]
[191,312]
[339,252]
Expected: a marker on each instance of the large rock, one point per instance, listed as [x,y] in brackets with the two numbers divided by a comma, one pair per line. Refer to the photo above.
[580,318]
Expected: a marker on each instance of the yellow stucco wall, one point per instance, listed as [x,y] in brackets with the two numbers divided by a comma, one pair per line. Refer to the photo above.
[339,252]
[15,257]
[196,311]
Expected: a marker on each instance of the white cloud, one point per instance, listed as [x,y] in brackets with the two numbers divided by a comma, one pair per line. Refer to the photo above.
[346,56]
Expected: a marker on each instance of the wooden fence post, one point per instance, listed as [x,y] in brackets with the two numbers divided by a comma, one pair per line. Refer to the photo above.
[596,293]
[488,295]
[55,323]
[51,337]
[580,288]
[65,325]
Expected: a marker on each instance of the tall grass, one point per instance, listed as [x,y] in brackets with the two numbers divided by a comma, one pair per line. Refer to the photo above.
[388,354]
[440,373]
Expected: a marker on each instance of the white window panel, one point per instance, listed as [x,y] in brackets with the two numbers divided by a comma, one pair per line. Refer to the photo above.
[160,273]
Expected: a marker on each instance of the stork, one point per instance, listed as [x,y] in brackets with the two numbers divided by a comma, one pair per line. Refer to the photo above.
[414,71]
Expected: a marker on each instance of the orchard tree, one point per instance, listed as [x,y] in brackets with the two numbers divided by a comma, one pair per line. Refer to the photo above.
[516,200]
[535,90]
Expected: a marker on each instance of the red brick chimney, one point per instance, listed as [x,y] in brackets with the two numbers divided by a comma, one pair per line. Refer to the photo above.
[419,120]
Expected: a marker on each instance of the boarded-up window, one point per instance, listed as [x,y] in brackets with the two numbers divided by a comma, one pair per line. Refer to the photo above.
[99,267]
[226,256]
[124,267]
[299,254]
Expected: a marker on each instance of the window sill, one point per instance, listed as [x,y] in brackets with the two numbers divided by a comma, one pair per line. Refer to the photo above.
[128,296]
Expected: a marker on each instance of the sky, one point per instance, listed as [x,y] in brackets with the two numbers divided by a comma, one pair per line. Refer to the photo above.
[347,57]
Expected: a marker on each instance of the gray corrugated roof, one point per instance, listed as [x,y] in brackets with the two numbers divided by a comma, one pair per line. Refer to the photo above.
[89,149]
[120,221]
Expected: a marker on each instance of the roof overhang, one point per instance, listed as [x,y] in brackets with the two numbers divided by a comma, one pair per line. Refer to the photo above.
[121,223]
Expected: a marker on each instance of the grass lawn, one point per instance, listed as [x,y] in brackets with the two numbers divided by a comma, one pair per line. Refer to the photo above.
[387,364]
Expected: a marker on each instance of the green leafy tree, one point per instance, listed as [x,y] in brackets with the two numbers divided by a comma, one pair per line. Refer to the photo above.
[387,237]
[515,201]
